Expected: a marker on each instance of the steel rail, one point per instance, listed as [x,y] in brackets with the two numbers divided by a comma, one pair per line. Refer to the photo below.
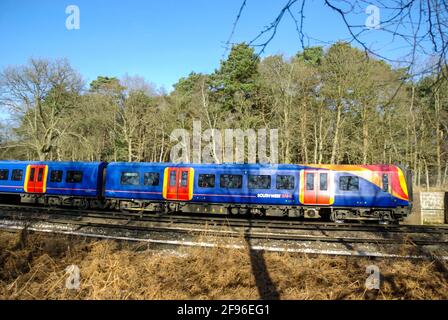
[247,231]
[285,223]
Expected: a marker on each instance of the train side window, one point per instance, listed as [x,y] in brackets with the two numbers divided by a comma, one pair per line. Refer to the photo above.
[40,174]
[130,179]
[231,181]
[4,174]
[310,181]
[285,182]
[56,176]
[74,176]
[348,183]
[323,181]
[17,175]
[184,179]
[259,182]
[172,178]
[151,179]
[385,181]
[32,171]
[206,180]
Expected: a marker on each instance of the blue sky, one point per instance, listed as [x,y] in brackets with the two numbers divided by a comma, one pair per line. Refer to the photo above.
[158,40]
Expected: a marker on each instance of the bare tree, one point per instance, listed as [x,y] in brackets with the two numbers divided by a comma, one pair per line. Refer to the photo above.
[40,94]
[420,28]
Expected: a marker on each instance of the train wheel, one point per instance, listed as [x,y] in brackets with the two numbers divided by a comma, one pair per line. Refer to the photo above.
[124,207]
[171,207]
[83,204]
[96,204]
[335,217]
[233,211]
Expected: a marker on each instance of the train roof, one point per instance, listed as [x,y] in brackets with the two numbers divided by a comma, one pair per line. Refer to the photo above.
[61,163]
[212,165]
[241,166]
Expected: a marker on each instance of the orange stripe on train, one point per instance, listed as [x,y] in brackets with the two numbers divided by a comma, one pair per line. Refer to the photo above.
[372,173]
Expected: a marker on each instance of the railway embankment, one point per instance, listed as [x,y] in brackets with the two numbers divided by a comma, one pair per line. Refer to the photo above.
[35,266]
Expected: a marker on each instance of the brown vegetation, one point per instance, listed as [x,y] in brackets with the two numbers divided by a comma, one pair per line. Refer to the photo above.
[33,267]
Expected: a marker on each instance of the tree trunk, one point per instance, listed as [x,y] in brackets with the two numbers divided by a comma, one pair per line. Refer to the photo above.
[336,135]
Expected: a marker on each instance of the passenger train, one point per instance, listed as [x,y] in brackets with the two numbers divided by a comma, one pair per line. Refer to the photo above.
[341,193]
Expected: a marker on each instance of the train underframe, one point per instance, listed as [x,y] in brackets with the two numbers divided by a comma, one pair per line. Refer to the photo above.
[336,214]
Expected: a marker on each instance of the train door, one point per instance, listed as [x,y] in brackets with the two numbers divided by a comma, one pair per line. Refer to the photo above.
[316,187]
[178,184]
[36,178]
[385,182]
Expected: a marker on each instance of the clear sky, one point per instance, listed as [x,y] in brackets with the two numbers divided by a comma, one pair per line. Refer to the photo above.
[158,40]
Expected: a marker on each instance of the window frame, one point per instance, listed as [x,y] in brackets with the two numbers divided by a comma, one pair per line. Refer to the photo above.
[32,174]
[3,171]
[313,175]
[129,184]
[208,175]
[326,181]
[145,174]
[184,177]
[71,172]
[249,176]
[385,175]
[221,176]
[172,175]
[349,183]
[13,172]
[60,178]
[285,175]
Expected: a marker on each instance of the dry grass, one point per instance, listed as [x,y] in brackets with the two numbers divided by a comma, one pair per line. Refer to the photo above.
[33,267]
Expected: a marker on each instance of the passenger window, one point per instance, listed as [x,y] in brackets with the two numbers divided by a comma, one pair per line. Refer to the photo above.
[4,174]
[323,183]
[284,182]
[206,181]
[56,176]
[310,181]
[348,183]
[74,176]
[259,182]
[40,174]
[231,181]
[151,179]
[32,174]
[385,182]
[130,178]
[17,175]
[172,178]
[184,179]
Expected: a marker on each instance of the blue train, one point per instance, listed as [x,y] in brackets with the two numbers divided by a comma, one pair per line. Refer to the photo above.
[338,192]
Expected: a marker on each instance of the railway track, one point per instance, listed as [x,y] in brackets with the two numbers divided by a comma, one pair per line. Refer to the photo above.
[266,222]
[223,226]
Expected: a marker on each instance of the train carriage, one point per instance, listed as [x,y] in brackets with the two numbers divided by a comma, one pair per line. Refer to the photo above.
[54,183]
[339,192]
[130,185]
[12,175]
